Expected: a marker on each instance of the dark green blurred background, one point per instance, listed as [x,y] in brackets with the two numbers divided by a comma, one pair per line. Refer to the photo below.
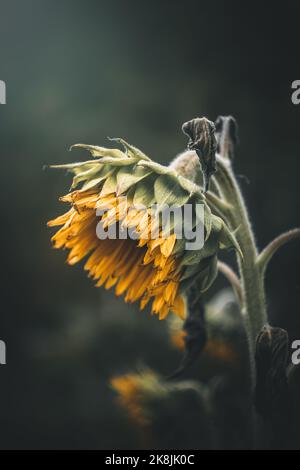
[78,71]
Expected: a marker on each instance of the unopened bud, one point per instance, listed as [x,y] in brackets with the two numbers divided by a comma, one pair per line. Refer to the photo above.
[226,135]
[271,393]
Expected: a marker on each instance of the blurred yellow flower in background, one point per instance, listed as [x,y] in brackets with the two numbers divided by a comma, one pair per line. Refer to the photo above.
[133,392]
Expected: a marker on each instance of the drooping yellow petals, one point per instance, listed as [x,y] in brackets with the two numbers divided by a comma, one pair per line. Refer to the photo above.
[62,219]
[141,269]
[167,247]
[179,307]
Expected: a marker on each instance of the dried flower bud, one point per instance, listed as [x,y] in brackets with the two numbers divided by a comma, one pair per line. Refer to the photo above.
[201,133]
[226,135]
[271,393]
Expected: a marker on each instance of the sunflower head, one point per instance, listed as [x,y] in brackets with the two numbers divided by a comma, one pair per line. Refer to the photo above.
[135,391]
[150,400]
[117,221]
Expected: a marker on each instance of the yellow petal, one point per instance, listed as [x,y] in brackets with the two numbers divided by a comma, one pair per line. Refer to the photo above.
[167,247]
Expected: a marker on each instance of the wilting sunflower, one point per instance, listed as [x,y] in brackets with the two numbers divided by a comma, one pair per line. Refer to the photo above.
[123,187]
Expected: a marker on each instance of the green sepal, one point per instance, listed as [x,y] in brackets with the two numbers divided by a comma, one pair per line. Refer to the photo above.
[77,167]
[100,151]
[227,238]
[94,182]
[207,272]
[115,161]
[156,167]
[128,176]
[179,247]
[109,185]
[210,247]
[130,149]
[168,192]
[144,191]
[186,184]
[99,173]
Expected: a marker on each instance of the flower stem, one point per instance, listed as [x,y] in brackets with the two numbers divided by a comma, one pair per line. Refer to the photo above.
[232,278]
[253,303]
